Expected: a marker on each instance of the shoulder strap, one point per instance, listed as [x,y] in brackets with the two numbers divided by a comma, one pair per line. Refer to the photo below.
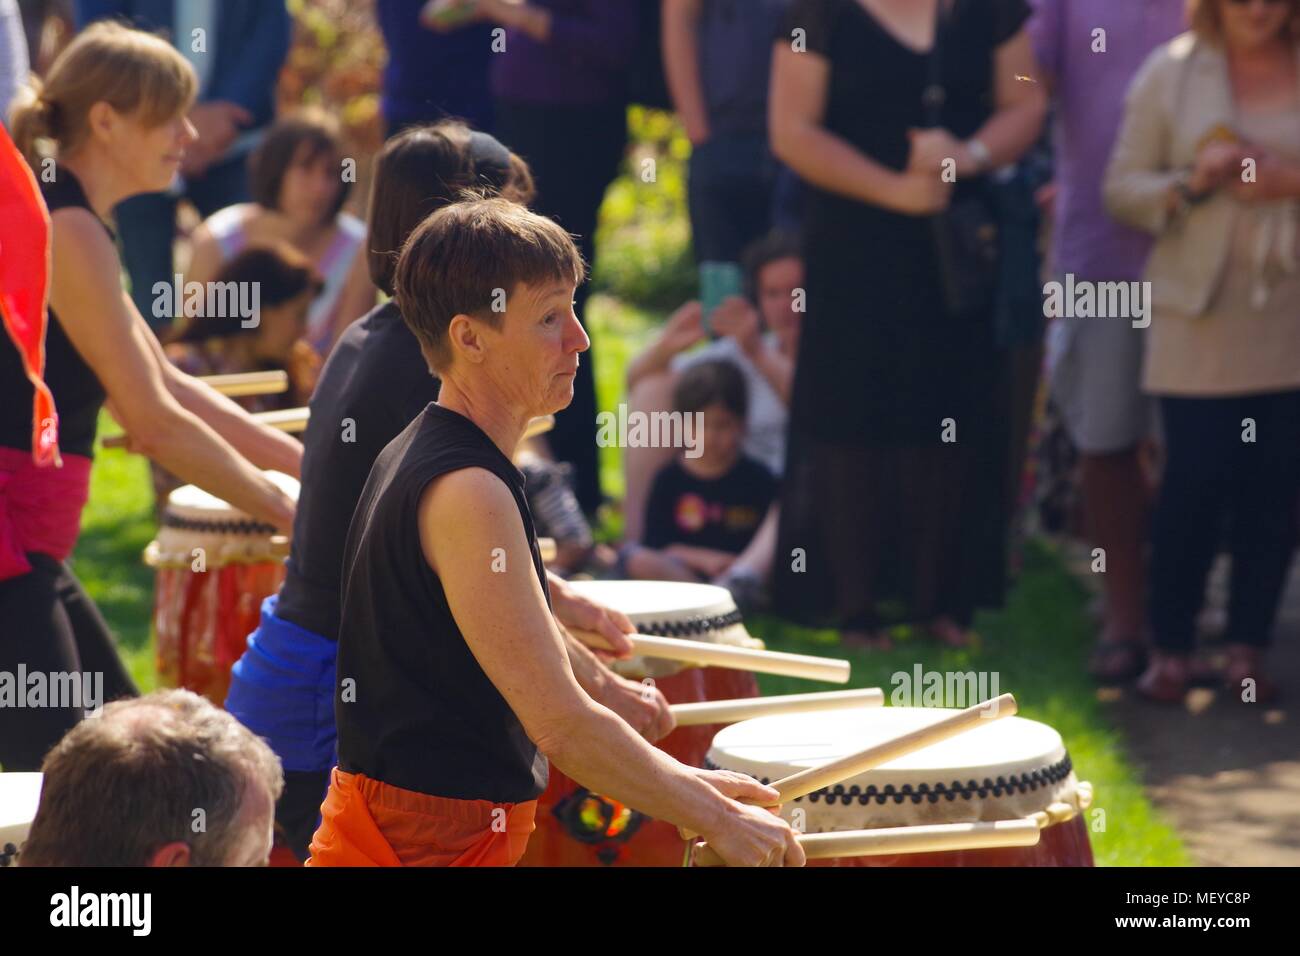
[935,94]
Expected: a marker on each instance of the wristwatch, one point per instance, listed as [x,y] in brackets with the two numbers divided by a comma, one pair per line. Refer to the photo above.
[980,153]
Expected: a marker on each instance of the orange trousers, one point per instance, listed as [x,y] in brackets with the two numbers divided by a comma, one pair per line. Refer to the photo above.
[366,822]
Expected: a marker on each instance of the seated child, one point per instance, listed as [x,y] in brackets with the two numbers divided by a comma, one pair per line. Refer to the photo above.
[706,505]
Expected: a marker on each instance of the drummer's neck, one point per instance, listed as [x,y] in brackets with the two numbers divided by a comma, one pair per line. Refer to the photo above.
[504,427]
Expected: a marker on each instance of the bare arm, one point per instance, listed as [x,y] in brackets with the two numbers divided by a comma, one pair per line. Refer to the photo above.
[684,328]
[205,255]
[796,109]
[1021,105]
[266,447]
[113,339]
[505,621]
[680,19]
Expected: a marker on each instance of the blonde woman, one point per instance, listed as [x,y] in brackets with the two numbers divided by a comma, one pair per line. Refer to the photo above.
[113,106]
[1208,161]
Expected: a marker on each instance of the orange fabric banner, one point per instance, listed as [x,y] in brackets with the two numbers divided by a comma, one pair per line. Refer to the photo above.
[24,288]
[366,822]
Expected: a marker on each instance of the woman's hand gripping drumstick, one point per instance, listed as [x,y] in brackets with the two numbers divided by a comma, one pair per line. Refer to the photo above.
[828,774]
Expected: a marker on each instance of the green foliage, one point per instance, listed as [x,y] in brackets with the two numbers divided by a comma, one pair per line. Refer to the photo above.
[644,234]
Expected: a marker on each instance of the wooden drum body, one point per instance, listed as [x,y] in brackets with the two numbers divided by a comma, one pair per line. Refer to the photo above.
[1010,769]
[578,828]
[214,567]
[20,795]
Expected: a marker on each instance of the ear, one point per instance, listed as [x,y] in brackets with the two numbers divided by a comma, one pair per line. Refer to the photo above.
[103,120]
[465,334]
[171,854]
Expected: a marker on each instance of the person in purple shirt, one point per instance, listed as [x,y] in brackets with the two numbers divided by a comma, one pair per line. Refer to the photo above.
[432,75]
[560,76]
[1089,51]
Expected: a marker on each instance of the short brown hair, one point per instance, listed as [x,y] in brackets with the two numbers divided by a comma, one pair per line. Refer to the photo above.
[121,785]
[299,138]
[459,257]
[424,168]
[136,73]
[712,383]
[1203,16]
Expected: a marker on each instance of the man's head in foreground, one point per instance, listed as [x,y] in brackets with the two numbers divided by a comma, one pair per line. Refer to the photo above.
[162,780]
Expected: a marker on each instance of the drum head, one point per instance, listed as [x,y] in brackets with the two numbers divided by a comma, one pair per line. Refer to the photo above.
[20,795]
[690,612]
[1008,768]
[191,501]
[194,519]
[659,600]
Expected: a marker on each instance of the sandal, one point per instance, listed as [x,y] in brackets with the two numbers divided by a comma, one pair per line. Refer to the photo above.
[1237,672]
[1163,684]
[1115,662]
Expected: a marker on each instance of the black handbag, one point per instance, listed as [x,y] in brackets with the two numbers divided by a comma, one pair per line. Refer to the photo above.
[966,235]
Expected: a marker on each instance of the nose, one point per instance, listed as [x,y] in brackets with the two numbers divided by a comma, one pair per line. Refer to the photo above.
[577,338]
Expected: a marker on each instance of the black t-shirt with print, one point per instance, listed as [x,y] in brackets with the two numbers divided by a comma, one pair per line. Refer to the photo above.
[721,513]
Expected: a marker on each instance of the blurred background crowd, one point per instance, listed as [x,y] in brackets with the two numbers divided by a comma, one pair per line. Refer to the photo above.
[886,411]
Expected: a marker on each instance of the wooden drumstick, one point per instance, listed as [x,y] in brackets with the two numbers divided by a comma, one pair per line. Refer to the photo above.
[285,419]
[732,711]
[828,774]
[249,383]
[934,838]
[829,669]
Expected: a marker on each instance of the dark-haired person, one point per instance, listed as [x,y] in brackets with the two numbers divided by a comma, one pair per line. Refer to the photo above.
[298,191]
[463,687]
[123,789]
[373,384]
[270,340]
[114,106]
[236,48]
[707,504]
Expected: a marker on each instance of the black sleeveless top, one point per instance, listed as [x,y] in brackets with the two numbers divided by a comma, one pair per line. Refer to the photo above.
[424,716]
[374,383]
[78,396]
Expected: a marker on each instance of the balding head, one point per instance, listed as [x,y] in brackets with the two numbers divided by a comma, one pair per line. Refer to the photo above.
[166,779]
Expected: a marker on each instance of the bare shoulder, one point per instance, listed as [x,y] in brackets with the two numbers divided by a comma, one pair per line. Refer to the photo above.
[467,498]
[81,248]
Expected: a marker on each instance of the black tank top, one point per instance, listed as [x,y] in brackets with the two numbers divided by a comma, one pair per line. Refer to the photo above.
[372,386]
[78,396]
[424,715]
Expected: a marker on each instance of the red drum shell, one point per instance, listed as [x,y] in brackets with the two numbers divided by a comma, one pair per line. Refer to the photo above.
[653,843]
[202,620]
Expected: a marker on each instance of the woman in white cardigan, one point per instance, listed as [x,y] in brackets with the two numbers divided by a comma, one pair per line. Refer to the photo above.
[1208,160]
